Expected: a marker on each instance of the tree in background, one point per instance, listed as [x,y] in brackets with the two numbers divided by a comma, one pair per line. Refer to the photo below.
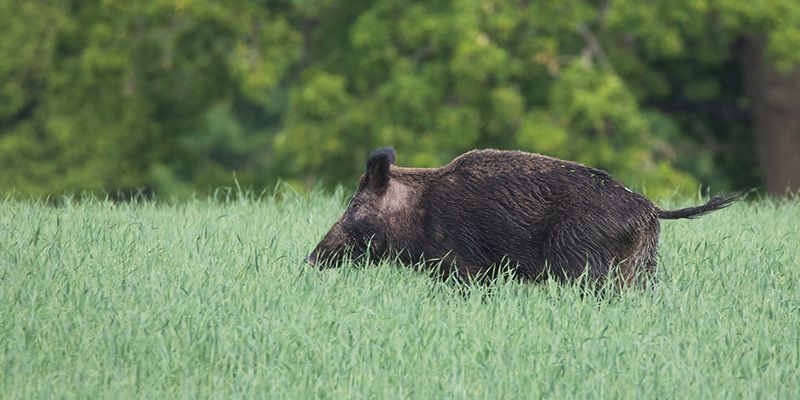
[176,95]
[105,95]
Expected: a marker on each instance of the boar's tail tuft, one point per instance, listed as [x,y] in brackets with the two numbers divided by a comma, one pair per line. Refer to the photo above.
[717,202]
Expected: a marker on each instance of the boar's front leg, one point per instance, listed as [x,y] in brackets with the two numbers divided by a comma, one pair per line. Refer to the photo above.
[453,266]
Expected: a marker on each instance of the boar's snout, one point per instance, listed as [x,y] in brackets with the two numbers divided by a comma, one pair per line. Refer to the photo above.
[328,252]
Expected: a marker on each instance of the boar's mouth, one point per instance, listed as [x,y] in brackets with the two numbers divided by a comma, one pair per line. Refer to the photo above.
[323,260]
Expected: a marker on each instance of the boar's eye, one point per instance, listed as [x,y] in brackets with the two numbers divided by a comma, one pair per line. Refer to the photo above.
[355,202]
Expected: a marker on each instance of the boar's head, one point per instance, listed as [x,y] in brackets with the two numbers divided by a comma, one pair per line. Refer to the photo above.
[378,220]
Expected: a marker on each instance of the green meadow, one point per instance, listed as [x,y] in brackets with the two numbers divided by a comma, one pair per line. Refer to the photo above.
[211,299]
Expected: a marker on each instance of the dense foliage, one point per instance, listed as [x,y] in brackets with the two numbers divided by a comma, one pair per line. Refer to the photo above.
[175,95]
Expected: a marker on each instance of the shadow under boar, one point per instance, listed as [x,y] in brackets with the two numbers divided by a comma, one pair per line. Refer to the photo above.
[540,216]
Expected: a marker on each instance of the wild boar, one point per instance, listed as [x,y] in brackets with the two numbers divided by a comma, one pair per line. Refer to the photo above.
[539,216]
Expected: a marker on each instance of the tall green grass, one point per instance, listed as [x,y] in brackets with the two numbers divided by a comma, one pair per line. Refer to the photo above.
[212,299]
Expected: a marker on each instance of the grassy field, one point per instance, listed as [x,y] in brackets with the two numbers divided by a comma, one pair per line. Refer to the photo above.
[211,299]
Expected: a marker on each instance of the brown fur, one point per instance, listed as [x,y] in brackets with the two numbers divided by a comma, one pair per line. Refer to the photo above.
[540,215]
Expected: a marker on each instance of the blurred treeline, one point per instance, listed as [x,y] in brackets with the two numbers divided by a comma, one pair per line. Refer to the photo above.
[175,96]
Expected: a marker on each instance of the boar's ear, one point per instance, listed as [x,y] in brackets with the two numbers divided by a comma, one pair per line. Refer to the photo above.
[378,168]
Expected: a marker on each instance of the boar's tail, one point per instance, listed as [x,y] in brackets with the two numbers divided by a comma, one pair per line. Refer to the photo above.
[717,202]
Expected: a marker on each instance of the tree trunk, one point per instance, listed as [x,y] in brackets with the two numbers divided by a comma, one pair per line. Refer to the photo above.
[775,109]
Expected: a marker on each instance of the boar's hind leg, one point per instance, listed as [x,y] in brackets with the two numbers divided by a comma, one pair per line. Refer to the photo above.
[639,267]
[572,246]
